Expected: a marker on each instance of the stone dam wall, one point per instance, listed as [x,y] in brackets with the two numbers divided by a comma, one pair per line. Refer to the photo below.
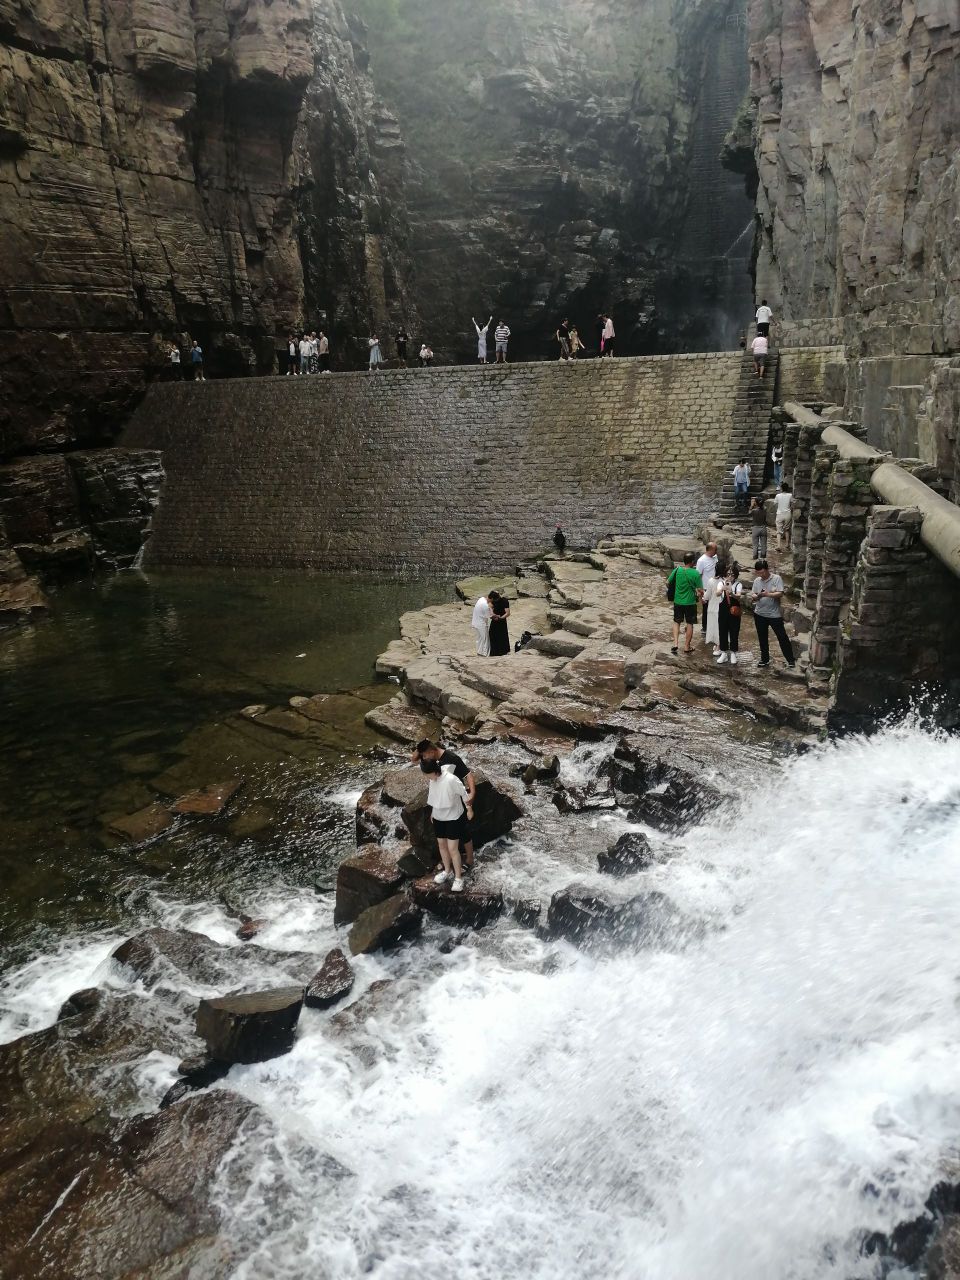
[455,468]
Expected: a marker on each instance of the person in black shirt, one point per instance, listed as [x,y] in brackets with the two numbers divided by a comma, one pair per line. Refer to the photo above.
[425,750]
[401,341]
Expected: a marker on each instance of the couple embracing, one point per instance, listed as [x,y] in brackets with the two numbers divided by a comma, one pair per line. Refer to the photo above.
[490,615]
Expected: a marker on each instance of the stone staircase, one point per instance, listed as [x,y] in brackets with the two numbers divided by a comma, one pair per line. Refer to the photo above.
[751,432]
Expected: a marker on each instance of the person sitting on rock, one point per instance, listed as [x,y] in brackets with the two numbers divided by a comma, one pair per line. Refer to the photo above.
[428,750]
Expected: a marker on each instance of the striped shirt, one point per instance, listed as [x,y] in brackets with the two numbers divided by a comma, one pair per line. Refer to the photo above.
[501,333]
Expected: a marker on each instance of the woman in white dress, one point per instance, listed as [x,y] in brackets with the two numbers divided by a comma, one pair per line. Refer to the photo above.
[482,613]
[482,339]
[713,594]
[376,355]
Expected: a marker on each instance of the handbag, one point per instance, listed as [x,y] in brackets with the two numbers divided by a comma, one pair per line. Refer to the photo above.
[735,611]
[672,586]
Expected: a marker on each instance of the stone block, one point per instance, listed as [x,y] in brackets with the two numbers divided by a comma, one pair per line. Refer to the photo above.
[250,1028]
[369,878]
[385,925]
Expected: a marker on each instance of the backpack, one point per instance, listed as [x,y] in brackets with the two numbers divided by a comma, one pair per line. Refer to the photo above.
[523,641]
[672,586]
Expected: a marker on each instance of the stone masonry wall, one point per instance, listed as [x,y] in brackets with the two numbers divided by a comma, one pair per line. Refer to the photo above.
[456,468]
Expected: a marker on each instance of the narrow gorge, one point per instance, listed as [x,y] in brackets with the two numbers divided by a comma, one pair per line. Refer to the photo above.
[432,850]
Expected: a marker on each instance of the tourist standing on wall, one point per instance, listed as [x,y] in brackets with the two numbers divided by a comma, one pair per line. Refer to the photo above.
[758,521]
[563,338]
[376,355]
[685,588]
[501,336]
[760,350]
[499,632]
[314,352]
[196,360]
[776,458]
[305,349]
[323,352]
[576,346]
[176,368]
[482,339]
[707,568]
[401,340]
[741,483]
[482,613]
[784,516]
[428,750]
[609,339]
[731,611]
[764,317]
[768,614]
[426,356]
[292,354]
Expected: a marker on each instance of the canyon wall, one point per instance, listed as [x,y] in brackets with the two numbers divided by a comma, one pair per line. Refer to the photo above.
[453,469]
[857,142]
[563,159]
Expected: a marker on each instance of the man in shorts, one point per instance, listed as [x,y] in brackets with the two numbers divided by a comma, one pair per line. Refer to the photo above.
[764,316]
[501,336]
[761,349]
[687,590]
[427,750]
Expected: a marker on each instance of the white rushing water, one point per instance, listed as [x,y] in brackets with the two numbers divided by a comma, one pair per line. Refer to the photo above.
[744,1109]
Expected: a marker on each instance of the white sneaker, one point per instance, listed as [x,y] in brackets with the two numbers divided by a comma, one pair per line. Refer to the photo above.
[442,877]
[721,657]
[457,886]
[733,659]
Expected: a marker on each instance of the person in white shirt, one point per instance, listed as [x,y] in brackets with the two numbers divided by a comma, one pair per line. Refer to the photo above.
[482,613]
[731,611]
[305,348]
[450,812]
[482,339]
[426,356]
[323,352]
[784,515]
[760,348]
[292,354]
[764,316]
[707,569]
[608,339]
[741,483]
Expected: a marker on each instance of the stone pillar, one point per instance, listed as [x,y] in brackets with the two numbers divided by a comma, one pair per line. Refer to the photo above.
[791,437]
[818,513]
[849,499]
[901,637]
[807,441]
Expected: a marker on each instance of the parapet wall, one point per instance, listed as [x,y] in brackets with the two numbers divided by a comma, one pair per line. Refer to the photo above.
[456,468]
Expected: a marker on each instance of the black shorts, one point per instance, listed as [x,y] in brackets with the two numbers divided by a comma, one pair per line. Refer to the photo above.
[685,613]
[763,329]
[452,829]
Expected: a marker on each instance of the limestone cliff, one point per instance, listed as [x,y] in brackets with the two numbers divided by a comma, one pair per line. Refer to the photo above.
[858,158]
[565,158]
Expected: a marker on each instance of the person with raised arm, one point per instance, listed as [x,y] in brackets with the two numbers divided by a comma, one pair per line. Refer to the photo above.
[482,339]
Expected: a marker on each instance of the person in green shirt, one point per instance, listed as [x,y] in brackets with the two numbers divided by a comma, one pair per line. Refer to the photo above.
[687,590]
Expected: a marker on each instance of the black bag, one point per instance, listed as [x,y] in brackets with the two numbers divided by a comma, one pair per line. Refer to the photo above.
[672,586]
[523,641]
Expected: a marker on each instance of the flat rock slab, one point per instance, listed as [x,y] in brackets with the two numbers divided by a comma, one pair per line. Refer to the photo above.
[207,801]
[250,1028]
[471,589]
[404,786]
[332,983]
[145,824]
[558,646]
[385,925]
[475,906]
[630,854]
[362,882]
[597,681]
[398,720]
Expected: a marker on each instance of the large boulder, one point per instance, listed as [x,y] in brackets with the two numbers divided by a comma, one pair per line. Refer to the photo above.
[385,925]
[494,813]
[250,1028]
[474,906]
[630,854]
[660,782]
[363,881]
[581,916]
[332,983]
[372,823]
[593,921]
[163,958]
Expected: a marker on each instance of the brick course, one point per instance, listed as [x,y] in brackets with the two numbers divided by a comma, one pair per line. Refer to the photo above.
[459,468]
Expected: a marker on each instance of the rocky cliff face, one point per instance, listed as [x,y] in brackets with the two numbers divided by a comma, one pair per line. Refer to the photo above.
[564,158]
[858,159]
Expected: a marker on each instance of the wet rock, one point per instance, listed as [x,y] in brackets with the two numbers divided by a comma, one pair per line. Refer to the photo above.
[250,927]
[145,824]
[908,1242]
[207,801]
[197,1072]
[385,925]
[527,912]
[371,823]
[80,1002]
[593,920]
[631,853]
[403,786]
[250,1028]
[475,907]
[416,862]
[134,1203]
[164,957]
[494,813]
[365,880]
[367,1006]
[584,800]
[549,767]
[398,720]
[332,983]
[676,805]
[580,915]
